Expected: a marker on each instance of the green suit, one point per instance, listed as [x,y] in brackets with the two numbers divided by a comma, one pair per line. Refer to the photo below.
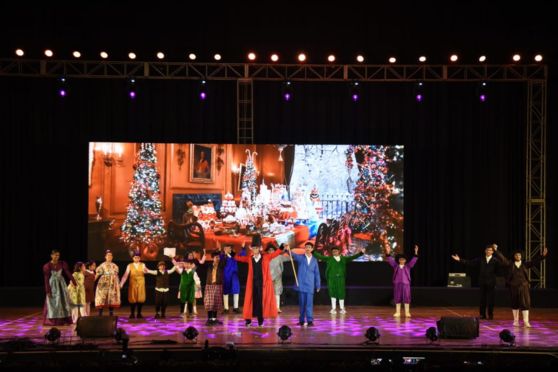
[187,287]
[335,273]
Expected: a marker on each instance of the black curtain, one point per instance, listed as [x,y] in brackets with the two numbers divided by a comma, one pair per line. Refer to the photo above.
[464,161]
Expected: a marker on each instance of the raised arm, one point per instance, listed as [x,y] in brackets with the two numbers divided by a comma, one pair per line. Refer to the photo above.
[355,256]
[412,262]
[172,270]
[319,256]
[202,261]
[502,259]
[537,260]
[147,271]
[391,261]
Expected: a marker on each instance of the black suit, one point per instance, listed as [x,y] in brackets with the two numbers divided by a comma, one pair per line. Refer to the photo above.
[487,282]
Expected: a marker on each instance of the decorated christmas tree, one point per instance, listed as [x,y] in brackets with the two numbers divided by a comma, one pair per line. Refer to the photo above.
[143,228]
[248,185]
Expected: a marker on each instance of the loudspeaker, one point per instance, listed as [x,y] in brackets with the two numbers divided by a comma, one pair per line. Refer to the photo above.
[458,327]
[459,280]
[96,326]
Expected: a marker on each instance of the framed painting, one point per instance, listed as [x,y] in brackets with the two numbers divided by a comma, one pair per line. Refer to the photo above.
[202,163]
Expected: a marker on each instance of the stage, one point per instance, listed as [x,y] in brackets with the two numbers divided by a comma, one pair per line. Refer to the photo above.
[334,338]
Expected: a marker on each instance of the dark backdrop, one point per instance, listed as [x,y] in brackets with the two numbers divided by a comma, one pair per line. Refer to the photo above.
[464,161]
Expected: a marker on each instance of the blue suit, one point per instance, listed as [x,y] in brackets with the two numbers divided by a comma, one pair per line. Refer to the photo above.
[308,282]
[231,284]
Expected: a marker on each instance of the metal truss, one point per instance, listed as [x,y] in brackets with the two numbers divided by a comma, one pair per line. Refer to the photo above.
[244,111]
[535,208]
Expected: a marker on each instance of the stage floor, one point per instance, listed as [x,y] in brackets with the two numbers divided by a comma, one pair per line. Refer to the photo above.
[337,331]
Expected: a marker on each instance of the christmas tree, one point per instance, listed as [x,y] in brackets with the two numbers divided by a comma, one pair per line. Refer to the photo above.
[373,191]
[144,228]
[248,185]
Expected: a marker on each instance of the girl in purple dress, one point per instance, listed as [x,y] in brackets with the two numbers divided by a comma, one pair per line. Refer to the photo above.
[401,280]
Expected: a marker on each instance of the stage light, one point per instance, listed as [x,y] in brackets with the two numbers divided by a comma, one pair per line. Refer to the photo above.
[287,91]
[192,56]
[274,57]
[19,52]
[132,91]
[251,56]
[355,91]
[419,92]
[53,335]
[392,60]
[191,333]
[483,96]
[331,58]
[203,90]
[62,87]
[284,333]
[432,334]
[507,337]
[301,57]
[49,53]
[422,59]
[104,55]
[360,58]
[538,58]
[160,55]
[76,54]
[482,58]
[454,58]
[516,58]
[118,334]
[372,335]
[132,55]
[217,57]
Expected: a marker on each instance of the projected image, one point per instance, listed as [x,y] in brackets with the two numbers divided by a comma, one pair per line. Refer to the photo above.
[169,199]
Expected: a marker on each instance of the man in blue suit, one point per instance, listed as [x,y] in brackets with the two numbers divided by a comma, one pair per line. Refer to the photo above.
[308,281]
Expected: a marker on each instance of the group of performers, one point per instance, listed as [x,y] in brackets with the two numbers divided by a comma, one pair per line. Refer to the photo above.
[64,304]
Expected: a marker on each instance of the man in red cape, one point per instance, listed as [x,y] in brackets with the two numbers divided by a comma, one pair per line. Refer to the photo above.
[259,299]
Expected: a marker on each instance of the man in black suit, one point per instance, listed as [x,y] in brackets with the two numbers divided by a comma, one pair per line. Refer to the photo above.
[487,278]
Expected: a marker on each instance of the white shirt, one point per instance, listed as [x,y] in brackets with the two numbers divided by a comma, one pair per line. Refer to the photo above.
[308,258]
[337,258]
[257,259]
[517,264]
[401,266]
[488,258]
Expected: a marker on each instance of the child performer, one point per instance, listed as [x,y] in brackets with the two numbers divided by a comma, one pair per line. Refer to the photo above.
[518,282]
[276,267]
[336,271]
[231,285]
[213,298]
[161,288]
[57,304]
[76,292]
[197,291]
[401,280]
[308,283]
[89,284]
[136,288]
[107,294]
[259,299]
[186,289]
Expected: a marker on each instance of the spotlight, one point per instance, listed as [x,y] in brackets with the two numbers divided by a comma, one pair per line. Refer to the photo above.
[132,91]
[507,337]
[192,56]
[274,57]
[104,55]
[355,91]
[331,58]
[191,333]
[516,58]
[217,57]
[301,57]
[483,96]
[422,59]
[482,58]
[538,58]
[372,335]
[76,54]
[251,56]
[284,333]
[132,55]
[20,53]
[160,55]
[287,91]
[432,334]
[49,53]
[392,60]
[62,87]
[53,335]
[419,92]
[360,58]
[203,90]
[454,58]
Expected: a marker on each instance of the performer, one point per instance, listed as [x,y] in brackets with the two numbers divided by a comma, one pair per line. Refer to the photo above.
[136,287]
[89,284]
[57,303]
[259,300]
[308,283]
[76,292]
[518,282]
[401,280]
[487,278]
[186,288]
[213,298]
[276,267]
[197,289]
[161,288]
[107,294]
[231,284]
[336,271]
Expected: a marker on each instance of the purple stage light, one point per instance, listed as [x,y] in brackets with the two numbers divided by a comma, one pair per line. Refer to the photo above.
[62,93]
[287,96]
[419,97]
[482,97]
[355,97]
[203,96]
[132,94]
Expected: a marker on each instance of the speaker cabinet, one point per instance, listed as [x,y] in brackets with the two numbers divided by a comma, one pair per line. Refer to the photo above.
[458,327]
[96,326]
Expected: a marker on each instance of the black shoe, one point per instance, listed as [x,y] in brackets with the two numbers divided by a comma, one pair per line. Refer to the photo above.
[209,322]
[247,323]
[226,311]
[237,310]
[132,316]
[482,317]
[310,324]
[139,316]
[163,316]
[157,316]
[217,322]
[490,317]
[300,324]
